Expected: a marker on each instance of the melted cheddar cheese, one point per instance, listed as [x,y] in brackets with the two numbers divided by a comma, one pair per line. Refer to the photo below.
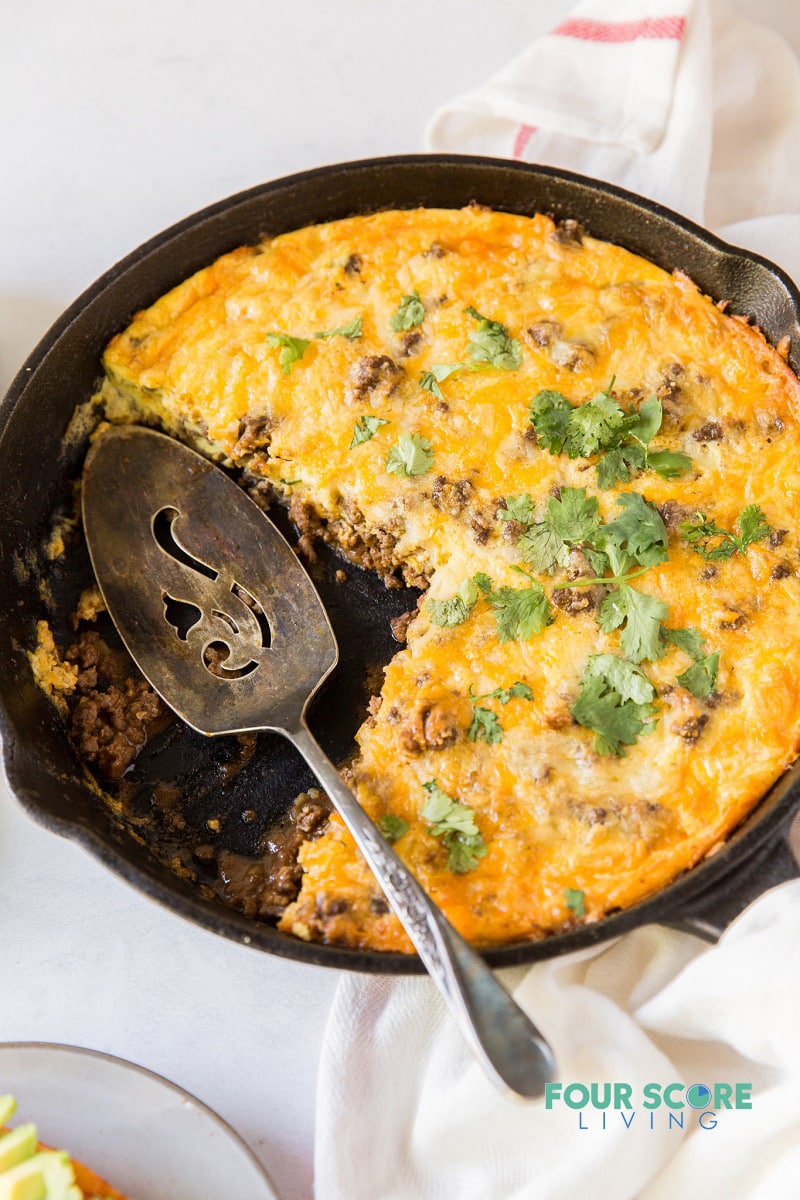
[555,814]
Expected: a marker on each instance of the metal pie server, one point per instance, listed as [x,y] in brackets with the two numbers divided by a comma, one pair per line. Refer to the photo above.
[219,614]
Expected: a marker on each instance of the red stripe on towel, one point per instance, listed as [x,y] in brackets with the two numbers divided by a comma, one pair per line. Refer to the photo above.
[524,134]
[621,31]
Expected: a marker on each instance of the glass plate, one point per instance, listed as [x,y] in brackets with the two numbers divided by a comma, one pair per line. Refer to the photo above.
[146,1136]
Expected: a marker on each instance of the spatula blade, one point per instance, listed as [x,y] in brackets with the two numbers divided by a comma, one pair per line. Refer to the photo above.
[209,598]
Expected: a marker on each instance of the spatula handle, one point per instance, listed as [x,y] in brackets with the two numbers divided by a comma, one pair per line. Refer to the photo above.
[510,1047]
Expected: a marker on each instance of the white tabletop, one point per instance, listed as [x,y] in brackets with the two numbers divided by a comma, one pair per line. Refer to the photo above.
[116,121]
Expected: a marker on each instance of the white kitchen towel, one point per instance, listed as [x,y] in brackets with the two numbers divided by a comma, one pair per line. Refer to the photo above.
[691,104]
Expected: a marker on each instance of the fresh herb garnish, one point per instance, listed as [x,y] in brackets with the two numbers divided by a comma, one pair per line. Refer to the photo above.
[688,640]
[517,508]
[352,330]
[575,901]
[641,614]
[412,454]
[701,677]
[290,482]
[366,428]
[703,535]
[392,827]
[517,691]
[429,380]
[602,426]
[569,520]
[292,349]
[484,724]
[455,824]
[455,610]
[491,345]
[410,313]
[615,702]
[520,613]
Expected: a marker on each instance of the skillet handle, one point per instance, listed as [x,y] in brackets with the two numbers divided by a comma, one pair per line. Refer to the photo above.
[709,914]
[512,1050]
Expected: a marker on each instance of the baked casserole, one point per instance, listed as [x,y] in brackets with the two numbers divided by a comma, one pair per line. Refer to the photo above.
[591,472]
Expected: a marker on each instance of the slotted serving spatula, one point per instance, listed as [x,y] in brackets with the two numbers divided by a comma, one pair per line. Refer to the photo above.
[219,614]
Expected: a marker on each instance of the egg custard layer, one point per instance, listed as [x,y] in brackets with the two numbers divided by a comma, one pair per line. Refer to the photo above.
[593,469]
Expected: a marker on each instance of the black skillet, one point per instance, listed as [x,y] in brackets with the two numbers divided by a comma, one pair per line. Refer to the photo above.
[39,468]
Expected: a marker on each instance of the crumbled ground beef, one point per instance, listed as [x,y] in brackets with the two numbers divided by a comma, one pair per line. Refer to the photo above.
[429,727]
[113,710]
[711,431]
[263,887]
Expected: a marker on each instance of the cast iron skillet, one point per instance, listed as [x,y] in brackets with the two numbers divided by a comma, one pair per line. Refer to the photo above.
[38,468]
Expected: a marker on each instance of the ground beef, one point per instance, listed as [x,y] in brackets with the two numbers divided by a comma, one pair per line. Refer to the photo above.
[690,730]
[782,570]
[430,727]
[543,332]
[572,356]
[777,538]
[435,250]
[674,514]
[353,265]
[263,887]
[374,373]
[451,496]
[568,233]
[583,599]
[711,431]
[113,710]
[255,434]
[409,342]
[399,625]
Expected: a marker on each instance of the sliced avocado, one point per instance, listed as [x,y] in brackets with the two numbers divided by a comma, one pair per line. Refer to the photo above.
[48,1175]
[8,1106]
[17,1145]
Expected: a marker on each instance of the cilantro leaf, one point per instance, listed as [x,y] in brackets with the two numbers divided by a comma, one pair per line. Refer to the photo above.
[550,412]
[520,613]
[701,677]
[393,827]
[455,610]
[639,531]
[410,313]
[366,428]
[484,726]
[614,715]
[601,424]
[688,640]
[483,581]
[517,691]
[492,345]
[642,614]
[292,349]
[625,678]
[575,901]
[596,425]
[429,380]
[412,454]
[455,824]
[351,331]
[701,533]
[646,423]
[569,520]
[753,527]
[620,465]
[517,508]
[669,464]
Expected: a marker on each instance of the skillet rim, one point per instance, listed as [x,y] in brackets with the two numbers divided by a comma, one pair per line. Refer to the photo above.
[674,903]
